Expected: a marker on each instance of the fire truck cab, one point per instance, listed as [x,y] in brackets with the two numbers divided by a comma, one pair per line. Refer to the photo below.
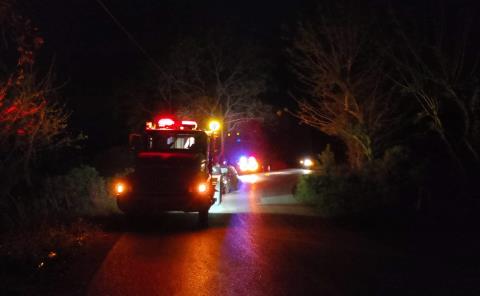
[172,171]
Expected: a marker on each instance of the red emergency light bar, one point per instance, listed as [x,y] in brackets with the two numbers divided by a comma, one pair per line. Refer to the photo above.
[168,123]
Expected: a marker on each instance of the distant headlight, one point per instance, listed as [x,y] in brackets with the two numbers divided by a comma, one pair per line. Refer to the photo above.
[307,162]
[249,164]
[243,164]
[252,164]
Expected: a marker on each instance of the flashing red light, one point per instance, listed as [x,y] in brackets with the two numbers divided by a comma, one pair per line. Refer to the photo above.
[190,123]
[166,122]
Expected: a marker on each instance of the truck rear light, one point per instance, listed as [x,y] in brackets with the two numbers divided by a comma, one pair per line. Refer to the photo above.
[202,188]
[120,188]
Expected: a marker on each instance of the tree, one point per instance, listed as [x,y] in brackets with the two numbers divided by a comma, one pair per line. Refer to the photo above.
[438,67]
[342,70]
[31,121]
[212,78]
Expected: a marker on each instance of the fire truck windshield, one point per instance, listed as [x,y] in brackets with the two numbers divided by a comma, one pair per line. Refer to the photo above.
[165,141]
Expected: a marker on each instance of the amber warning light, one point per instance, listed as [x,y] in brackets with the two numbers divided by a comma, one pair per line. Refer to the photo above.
[119,188]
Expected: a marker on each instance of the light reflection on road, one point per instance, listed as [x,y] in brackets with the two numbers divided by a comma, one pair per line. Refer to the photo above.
[250,179]
[231,257]
[269,192]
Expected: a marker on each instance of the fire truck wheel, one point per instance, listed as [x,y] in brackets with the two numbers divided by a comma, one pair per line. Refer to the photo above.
[218,196]
[203,217]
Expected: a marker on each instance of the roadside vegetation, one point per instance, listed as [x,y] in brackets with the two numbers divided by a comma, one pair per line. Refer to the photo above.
[384,186]
[404,102]
[398,88]
[45,197]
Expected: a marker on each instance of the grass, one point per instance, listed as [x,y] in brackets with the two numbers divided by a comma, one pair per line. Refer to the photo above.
[34,261]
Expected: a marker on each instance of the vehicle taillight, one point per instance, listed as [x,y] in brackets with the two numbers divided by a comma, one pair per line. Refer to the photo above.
[202,188]
[120,188]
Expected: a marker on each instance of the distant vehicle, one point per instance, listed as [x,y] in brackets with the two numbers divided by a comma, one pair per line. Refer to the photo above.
[307,163]
[228,178]
[248,164]
[245,148]
[230,181]
[173,170]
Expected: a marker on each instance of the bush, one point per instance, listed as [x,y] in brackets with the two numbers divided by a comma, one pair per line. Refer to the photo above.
[80,192]
[382,186]
[326,161]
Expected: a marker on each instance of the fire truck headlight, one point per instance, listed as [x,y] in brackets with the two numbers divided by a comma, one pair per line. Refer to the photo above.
[202,188]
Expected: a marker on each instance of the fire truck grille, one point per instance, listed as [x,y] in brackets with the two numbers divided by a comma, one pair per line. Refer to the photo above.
[162,185]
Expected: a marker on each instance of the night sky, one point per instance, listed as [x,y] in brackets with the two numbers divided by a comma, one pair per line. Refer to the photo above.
[95,61]
[92,52]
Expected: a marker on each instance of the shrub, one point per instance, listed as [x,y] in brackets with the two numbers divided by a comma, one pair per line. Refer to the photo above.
[384,185]
[80,192]
[326,161]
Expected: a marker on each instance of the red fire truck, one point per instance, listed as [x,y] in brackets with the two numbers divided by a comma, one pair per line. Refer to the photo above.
[173,170]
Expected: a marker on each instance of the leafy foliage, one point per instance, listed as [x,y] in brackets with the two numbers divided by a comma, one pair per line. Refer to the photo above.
[31,120]
[80,192]
[326,161]
[385,184]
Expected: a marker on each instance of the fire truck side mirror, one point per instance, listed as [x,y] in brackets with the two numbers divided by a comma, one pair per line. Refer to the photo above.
[135,142]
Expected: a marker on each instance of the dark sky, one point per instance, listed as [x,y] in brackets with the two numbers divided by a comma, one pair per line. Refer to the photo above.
[85,40]
[94,59]
[93,55]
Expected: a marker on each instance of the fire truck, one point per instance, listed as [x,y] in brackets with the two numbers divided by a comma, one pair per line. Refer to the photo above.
[172,171]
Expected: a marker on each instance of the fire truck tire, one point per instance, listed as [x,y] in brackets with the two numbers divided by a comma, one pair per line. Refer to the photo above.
[218,197]
[203,217]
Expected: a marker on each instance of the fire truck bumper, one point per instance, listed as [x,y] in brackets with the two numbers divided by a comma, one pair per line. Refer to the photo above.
[163,203]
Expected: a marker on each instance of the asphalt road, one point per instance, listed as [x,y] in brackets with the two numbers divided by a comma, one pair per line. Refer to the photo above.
[260,242]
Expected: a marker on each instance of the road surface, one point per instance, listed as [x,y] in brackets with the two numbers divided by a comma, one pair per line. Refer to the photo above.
[260,242]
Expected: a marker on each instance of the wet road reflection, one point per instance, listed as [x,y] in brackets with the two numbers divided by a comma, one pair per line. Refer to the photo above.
[259,242]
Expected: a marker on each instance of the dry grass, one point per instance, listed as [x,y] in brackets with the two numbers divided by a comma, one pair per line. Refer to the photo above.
[28,257]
